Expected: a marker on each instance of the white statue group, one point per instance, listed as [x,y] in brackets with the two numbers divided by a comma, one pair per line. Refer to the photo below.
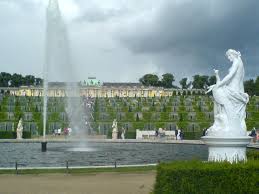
[227,137]
[115,131]
[229,100]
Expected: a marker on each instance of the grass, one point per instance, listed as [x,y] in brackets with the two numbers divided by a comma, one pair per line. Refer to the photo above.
[81,171]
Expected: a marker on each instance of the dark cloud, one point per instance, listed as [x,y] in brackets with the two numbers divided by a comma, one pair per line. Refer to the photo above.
[201,31]
[131,38]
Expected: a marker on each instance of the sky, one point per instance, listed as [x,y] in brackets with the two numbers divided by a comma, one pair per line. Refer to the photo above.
[121,40]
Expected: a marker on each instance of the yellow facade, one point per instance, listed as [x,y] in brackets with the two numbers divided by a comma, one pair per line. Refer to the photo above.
[104,91]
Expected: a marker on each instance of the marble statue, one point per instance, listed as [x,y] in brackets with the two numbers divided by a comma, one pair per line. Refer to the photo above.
[123,133]
[114,129]
[227,137]
[229,100]
[19,129]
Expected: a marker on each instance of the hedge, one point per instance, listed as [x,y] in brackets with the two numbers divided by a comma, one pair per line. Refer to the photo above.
[128,135]
[207,177]
[253,154]
[12,135]
[192,135]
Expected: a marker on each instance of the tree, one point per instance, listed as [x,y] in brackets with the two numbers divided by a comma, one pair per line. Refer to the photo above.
[149,80]
[250,87]
[29,80]
[257,86]
[17,80]
[200,81]
[212,80]
[167,80]
[4,79]
[183,83]
[38,81]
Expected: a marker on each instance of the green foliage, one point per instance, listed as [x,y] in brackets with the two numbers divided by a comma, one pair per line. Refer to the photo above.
[54,117]
[7,135]
[17,80]
[137,117]
[206,177]
[149,80]
[188,135]
[184,84]
[167,80]
[130,135]
[253,154]
[153,80]
[252,86]
[3,116]
[138,125]
[201,81]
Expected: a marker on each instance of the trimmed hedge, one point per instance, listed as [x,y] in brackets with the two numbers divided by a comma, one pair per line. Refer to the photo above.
[207,177]
[192,135]
[252,154]
[12,135]
[128,135]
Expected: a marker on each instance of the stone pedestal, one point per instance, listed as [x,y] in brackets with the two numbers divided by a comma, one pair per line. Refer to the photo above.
[231,149]
[114,135]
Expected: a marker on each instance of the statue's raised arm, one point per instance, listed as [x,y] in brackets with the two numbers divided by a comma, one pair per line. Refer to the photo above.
[229,100]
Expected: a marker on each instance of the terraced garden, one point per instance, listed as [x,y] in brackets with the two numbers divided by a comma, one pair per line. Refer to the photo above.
[192,113]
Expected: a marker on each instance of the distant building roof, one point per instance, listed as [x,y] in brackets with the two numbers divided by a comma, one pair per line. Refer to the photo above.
[121,84]
[61,84]
[57,84]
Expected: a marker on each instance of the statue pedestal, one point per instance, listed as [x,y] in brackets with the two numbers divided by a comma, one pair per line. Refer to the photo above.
[114,135]
[231,149]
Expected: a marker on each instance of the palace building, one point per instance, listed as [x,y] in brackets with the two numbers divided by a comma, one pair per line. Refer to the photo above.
[94,88]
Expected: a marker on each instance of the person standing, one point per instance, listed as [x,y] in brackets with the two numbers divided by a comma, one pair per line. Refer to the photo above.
[176,133]
[179,134]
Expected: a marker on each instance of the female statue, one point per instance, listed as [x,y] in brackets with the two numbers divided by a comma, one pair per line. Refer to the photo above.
[229,100]
[19,129]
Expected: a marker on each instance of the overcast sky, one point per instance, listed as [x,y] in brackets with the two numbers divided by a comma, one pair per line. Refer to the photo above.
[121,40]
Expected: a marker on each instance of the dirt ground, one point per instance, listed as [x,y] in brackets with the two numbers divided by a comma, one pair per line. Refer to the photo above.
[100,183]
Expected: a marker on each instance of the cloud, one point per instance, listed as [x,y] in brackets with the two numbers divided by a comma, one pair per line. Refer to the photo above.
[120,40]
[99,15]
[198,30]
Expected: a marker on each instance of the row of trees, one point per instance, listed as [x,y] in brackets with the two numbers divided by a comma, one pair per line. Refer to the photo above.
[153,80]
[252,86]
[198,82]
[17,80]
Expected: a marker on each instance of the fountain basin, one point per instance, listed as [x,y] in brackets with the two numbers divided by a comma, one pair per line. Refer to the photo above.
[96,154]
[231,149]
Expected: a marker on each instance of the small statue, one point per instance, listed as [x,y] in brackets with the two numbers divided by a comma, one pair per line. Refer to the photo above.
[19,129]
[123,133]
[114,129]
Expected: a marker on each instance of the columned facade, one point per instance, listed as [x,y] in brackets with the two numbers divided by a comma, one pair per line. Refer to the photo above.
[104,91]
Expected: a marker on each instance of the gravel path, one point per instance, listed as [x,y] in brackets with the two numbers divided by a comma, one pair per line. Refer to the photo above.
[100,183]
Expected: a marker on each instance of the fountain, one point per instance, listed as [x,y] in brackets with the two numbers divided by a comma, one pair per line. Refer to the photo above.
[58,64]
[227,137]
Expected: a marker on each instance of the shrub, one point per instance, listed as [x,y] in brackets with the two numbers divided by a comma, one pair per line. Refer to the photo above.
[12,135]
[201,177]
[252,154]
[130,135]
[7,135]
[192,135]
